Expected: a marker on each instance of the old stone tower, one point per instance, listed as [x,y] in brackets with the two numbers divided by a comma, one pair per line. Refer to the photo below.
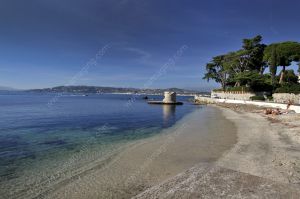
[170,97]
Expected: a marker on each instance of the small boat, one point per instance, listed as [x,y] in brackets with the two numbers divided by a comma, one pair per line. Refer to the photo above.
[146,97]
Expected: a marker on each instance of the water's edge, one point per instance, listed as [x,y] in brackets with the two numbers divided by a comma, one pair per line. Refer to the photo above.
[172,138]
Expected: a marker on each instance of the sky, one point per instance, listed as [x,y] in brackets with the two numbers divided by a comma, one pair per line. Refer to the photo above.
[46,43]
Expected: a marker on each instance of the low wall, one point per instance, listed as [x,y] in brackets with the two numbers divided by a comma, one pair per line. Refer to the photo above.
[257,103]
[237,95]
[286,98]
[205,100]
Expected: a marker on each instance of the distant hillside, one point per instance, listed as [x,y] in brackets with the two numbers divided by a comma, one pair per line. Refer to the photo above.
[100,89]
[4,88]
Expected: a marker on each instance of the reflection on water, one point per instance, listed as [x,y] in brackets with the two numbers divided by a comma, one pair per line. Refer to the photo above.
[38,143]
[168,113]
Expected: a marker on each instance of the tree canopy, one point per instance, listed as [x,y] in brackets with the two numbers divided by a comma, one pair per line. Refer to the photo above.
[281,54]
[246,66]
[216,70]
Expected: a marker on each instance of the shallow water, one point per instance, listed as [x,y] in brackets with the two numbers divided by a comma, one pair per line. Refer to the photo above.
[202,136]
[44,138]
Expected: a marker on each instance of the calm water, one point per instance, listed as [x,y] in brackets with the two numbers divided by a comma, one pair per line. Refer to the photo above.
[38,139]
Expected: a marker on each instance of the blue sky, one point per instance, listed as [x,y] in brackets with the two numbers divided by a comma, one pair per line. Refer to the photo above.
[44,43]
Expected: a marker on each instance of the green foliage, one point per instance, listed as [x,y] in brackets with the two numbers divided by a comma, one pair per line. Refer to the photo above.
[245,68]
[247,77]
[254,52]
[217,71]
[288,88]
[281,54]
[261,83]
[272,62]
[290,77]
[237,88]
[270,98]
[218,90]
[258,98]
[255,81]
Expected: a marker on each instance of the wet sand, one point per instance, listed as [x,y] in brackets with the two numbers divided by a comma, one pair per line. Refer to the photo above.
[200,137]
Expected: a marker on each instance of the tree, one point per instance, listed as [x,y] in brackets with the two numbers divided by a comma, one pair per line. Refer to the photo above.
[250,58]
[254,53]
[216,71]
[288,52]
[235,63]
[225,68]
[281,54]
[254,81]
[245,67]
[290,77]
[270,56]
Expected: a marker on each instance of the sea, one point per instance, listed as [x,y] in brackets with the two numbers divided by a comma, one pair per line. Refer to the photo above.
[45,137]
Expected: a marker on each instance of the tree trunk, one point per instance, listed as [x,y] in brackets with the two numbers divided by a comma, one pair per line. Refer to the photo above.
[262,70]
[237,84]
[224,82]
[282,75]
[273,71]
[223,87]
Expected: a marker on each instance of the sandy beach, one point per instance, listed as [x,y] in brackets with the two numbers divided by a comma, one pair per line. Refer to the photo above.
[216,151]
[192,140]
[264,163]
[268,146]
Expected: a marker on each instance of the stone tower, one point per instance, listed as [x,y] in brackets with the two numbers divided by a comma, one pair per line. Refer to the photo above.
[170,97]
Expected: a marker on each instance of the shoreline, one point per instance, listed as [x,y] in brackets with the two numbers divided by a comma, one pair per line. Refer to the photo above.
[41,183]
[158,158]
[207,146]
[267,146]
[216,146]
[263,163]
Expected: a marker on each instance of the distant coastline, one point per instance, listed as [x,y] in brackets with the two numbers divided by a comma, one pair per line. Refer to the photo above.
[113,90]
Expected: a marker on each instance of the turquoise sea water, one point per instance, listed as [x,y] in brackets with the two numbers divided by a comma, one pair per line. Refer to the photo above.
[45,137]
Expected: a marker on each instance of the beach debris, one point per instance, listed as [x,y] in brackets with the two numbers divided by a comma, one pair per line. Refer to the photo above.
[277,111]
[270,111]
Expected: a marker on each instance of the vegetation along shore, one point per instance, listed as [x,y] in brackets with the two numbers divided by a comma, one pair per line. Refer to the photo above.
[246,69]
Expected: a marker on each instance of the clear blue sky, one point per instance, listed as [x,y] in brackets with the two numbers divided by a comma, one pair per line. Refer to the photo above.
[44,43]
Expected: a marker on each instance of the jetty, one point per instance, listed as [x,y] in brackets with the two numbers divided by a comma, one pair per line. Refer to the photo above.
[169,99]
